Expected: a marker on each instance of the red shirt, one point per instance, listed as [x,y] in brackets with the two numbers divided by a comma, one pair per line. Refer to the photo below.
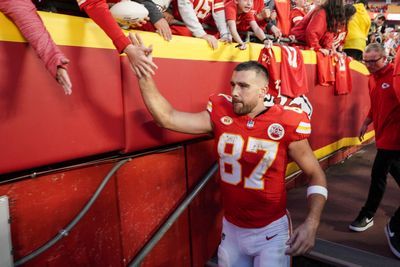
[242,20]
[385,109]
[313,31]
[99,12]
[396,73]
[325,70]
[267,59]
[253,158]
[343,83]
[293,72]
[296,15]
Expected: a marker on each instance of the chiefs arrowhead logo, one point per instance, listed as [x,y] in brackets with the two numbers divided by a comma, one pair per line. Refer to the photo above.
[385,85]
[226,120]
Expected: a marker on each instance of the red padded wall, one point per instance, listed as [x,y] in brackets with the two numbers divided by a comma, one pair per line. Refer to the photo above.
[39,125]
[40,208]
[149,188]
[336,117]
[205,210]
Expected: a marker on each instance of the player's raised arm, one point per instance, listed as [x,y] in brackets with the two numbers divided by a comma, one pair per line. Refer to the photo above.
[162,111]
[303,238]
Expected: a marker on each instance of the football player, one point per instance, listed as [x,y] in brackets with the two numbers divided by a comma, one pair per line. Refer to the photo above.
[253,143]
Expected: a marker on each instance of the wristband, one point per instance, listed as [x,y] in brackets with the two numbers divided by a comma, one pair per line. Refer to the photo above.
[317,189]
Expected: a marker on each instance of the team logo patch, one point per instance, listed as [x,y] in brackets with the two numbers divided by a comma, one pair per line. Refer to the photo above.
[276,131]
[226,120]
[385,85]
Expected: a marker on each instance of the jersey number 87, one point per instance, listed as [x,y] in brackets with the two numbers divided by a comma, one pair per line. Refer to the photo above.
[255,179]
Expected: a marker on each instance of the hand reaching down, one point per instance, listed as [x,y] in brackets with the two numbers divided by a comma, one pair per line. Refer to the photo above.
[140,56]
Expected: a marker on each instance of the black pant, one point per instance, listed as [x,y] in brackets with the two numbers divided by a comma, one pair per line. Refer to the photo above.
[386,161]
[354,53]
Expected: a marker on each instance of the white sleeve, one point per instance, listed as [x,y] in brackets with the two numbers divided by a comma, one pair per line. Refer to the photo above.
[220,21]
[189,18]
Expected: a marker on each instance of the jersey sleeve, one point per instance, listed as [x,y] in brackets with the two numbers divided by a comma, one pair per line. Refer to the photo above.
[316,29]
[299,124]
[230,10]
[99,12]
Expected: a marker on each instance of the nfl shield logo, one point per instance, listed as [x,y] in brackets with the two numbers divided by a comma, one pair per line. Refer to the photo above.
[250,124]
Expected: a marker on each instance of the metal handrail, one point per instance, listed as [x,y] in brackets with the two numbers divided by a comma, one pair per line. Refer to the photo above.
[64,232]
[172,218]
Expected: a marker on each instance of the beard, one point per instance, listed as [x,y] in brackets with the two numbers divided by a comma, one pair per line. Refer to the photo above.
[240,108]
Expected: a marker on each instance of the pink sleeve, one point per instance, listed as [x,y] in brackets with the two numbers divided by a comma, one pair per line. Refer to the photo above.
[316,29]
[23,14]
[99,12]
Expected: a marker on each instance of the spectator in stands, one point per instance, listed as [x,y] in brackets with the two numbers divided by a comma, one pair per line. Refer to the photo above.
[380,22]
[194,13]
[321,26]
[297,13]
[358,29]
[98,11]
[338,41]
[23,14]
[265,14]
[240,18]
[384,112]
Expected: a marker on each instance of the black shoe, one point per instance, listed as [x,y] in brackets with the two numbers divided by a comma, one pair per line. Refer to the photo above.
[361,223]
[393,240]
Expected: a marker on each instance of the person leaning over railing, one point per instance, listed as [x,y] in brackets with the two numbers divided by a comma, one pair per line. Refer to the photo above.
[23,14]
[240,18]
[321,26]
[264,15]
[99,12]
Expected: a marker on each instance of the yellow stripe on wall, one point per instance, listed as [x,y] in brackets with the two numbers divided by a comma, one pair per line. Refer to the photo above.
[83,32]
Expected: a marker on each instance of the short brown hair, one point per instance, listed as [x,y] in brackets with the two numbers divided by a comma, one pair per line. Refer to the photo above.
[375,47]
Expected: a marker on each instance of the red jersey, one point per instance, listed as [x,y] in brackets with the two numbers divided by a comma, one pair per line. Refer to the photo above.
[293,72]
[283,11]
[98,11]
[203,9]
[396,74]
[253,158]
[242,20]
[385,109]
[296,15]
[325,70]
[267,59]
[343,83]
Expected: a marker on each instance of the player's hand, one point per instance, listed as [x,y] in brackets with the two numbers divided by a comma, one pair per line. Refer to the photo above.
[211,40]
[140,56]
[363,130]
[139,23]
[276,32]
[63,79]
[302,239]
[162,27]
